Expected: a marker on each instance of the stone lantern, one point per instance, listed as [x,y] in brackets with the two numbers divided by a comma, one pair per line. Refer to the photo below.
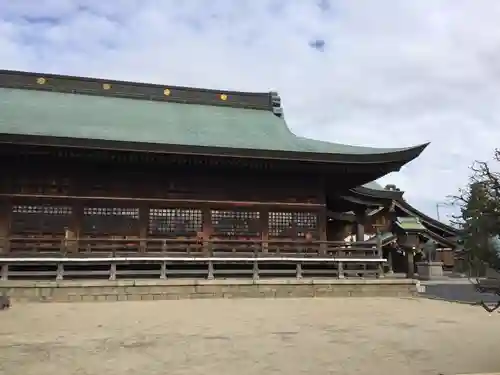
[408,231]
[408,240]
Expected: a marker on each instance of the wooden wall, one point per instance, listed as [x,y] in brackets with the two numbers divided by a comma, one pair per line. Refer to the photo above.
[141,181]
[85,199]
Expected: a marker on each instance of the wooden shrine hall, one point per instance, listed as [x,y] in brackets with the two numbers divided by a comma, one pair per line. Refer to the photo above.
[103,168]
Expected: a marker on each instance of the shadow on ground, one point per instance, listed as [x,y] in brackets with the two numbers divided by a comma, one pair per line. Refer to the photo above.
[463,292]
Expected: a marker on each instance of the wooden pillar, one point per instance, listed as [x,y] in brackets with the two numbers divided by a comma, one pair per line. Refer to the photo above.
[360,225]
[143,226]
[323,211]
[5,218]
[73,233]
[380,252]
[77,221]
[378,234]
[322,224]
[76,187]
[207,229]
[264,225]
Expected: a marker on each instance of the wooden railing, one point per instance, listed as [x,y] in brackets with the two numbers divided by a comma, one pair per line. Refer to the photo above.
[192,267]
[41,259]
[109,247]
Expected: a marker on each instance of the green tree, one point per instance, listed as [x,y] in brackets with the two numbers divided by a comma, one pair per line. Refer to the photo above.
[479,218]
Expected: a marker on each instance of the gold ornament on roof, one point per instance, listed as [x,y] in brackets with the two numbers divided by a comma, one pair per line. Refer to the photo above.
[106,86]
[41,80]
[166,92]
[223,97]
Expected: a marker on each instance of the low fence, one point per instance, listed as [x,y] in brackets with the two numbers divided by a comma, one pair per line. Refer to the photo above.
[42,258]
[137,267]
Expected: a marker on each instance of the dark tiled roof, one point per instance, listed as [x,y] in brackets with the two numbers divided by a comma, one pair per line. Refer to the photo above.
[375,190]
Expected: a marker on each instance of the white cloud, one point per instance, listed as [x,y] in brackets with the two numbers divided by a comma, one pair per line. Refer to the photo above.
[392,74]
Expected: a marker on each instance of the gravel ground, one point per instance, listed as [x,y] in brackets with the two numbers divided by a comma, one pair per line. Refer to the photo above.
[249,336]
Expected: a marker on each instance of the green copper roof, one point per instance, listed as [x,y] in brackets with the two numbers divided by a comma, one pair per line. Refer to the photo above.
[50,109]
[410,224]
[31,112]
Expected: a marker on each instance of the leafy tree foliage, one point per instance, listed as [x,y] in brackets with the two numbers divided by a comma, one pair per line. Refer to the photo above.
[480,214]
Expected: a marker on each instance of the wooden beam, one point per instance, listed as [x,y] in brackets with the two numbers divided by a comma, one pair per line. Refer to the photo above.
[183,202]
[191,259]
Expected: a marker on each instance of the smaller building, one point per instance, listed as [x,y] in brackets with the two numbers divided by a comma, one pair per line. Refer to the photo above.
[371,209]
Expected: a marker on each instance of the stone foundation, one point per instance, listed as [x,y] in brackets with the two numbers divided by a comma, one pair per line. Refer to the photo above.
[132,290]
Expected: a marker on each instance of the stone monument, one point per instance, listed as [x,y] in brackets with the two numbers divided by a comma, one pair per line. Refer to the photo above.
[430,268]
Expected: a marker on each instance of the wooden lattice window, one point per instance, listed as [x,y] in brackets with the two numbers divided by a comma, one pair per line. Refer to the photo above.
[236,223]
[40,219]
[281,224]
[306,222]
[293,224]
[122,221]
[175,221]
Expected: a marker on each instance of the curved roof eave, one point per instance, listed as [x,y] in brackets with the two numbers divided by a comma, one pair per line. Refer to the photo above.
[397,157]
[346,153]
[442,240]
[375,193]
[361,201]
[374,190]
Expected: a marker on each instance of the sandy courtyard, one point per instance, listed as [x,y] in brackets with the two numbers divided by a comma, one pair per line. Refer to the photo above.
[252,336]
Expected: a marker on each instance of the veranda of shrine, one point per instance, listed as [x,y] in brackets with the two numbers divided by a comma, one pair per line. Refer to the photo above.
[111,179]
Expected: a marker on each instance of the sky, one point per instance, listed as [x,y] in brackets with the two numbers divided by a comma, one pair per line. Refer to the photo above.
[385,73]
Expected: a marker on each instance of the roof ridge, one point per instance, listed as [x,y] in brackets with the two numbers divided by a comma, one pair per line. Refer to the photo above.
[270,101]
